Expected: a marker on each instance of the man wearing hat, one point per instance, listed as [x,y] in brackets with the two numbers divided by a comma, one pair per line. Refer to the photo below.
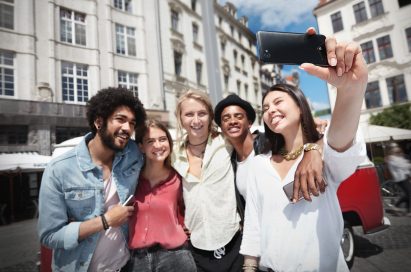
[235,117]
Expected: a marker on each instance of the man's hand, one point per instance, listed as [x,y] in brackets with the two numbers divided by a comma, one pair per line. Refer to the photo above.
[308,176]
[118,215]
[320,124]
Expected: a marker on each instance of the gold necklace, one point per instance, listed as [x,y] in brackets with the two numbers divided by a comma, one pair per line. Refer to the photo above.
[292,155]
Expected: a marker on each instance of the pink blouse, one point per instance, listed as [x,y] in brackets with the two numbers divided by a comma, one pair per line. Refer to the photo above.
[159,214]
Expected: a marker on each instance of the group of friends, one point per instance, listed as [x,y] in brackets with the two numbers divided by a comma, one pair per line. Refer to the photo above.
[211,201]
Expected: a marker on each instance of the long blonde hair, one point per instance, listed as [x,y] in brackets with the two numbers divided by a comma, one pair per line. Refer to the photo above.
[202,98]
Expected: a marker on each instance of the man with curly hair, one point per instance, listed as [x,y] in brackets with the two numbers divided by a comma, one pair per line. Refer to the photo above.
[80,212]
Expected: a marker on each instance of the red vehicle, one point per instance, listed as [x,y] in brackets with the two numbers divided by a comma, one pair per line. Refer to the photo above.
[361,205]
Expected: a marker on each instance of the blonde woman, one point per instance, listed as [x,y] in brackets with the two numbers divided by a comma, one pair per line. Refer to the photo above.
[202,158]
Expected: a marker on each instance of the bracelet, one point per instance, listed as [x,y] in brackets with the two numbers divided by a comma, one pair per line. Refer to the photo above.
[312,146]
[105,224]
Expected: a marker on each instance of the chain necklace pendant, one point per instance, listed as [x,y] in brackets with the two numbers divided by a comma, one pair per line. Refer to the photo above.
[292,155]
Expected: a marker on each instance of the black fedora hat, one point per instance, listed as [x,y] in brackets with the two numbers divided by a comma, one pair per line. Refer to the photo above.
[233,100]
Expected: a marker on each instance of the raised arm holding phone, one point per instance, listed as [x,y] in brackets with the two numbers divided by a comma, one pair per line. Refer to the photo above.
[305,236]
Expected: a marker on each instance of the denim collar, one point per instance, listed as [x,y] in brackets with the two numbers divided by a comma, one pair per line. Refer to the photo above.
[84,160]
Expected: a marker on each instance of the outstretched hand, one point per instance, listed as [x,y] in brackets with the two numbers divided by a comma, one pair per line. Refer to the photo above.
[347,71]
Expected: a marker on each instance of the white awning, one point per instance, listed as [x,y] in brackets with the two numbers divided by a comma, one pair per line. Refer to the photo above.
[23,162]
[373,133]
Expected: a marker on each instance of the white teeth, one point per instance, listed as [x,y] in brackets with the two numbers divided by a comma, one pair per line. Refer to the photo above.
[233,129]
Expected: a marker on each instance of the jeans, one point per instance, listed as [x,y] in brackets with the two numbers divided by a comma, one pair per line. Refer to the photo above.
[157,259]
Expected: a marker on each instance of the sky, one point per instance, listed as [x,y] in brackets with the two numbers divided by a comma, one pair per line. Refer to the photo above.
[282,15]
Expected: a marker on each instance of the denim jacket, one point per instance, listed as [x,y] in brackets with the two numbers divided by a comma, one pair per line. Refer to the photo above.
[72,191]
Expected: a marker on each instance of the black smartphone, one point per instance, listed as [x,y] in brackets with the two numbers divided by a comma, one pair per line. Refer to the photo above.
[291,48]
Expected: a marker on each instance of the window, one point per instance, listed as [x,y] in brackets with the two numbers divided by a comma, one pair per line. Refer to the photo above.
[72,27]
[384,47]
[376,7]
[66,133]
[199,71]
[195,32]
[239,37]
[125,40]
[174,20]
[193,5]
[403,3]
[13,135]
[220,20]
[128,81]
[226,78]
[396,89]
[178,62]
[368,52]
[246,91]
[124,5]
[372,95]
[7,14]
[235,57]
[232,30]
[337,22]
[6,73]
[238,86]
[74,82]
[222,44]
[408,37]
[360,12]
[242,61]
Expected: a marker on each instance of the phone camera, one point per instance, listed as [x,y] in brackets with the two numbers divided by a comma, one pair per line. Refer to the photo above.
[266,55]
[319,48]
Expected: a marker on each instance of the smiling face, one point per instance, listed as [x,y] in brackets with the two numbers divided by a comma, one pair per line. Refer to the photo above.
[155,145]
[116,132]
[280,112]
[234,122]
[195,119]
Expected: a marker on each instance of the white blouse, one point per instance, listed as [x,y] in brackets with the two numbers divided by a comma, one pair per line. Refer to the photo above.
[297,237]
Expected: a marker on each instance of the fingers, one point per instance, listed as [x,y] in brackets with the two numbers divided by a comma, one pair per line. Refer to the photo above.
[330,45]
[296,188]
[312,185]
[311,31]
[340,54]
[320,72]
[304,188]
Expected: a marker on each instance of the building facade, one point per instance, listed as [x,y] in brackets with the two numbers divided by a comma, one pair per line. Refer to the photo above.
[56,54]
[383,29]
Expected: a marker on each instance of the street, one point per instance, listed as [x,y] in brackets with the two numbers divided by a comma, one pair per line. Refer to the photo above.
[387,251]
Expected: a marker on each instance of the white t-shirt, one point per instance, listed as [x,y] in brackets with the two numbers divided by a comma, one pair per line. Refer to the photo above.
[111,251]
[243,168]
[297,237]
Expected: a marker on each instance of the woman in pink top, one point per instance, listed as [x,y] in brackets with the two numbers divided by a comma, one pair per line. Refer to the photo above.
[157,238]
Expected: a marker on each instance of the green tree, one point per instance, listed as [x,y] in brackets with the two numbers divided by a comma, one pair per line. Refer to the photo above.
[398,116]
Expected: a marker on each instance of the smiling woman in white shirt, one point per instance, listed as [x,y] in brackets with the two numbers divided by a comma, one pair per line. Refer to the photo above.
[304,236]
[202,157]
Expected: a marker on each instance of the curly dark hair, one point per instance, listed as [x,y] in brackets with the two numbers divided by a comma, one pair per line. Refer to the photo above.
[106,101]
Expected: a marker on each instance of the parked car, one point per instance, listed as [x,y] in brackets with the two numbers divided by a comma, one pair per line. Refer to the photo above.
[361,205]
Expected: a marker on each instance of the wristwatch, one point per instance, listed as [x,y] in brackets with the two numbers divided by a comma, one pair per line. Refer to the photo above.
[312,146]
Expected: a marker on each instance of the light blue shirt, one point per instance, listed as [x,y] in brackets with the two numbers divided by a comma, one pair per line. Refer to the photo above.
[72,191]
